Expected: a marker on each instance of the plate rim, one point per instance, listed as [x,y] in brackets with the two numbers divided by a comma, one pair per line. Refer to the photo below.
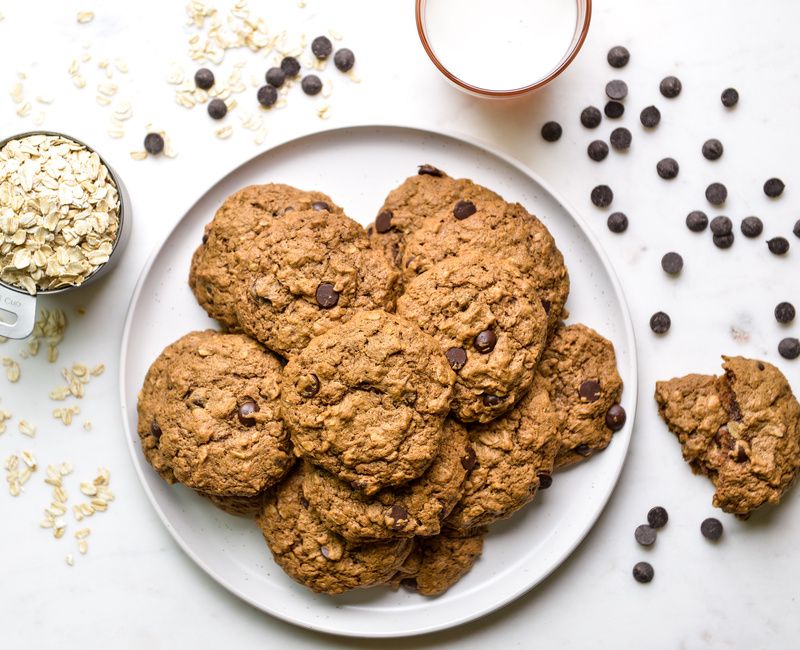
[633,368]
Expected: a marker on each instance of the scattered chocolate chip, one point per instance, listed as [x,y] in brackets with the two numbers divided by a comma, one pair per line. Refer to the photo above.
[321,47]
[711,528]
[796,229]
[597,150]
[267,96]
[696,221]
[429,170]
[667,168]
[660,322]
[551,131]
[545,480]
[456,357]
[464,209]
[326,296]
[154,143]
[614,109]
[618,57]
[716,193]
[492,400]
[290,66]
[383,222]
[621,138]
[616,89]
[204,78]
[399,514]
[670,87]
[645,535]
[752,226]
[275,77]
[672,263]
[469,459]
[616,417]
[657,517]
[155,430]
[485,341]
[643,572]
[712,149]
[789,348]
[617,222]
[784,312]
[583,450]
[721,225]
[650,117]
[602,196]
[729,97]
[246,411]
[774,187]
[320,206]
[723,241]
[308,385]
[217,109]
[344,59]
[311,84]
[778,245]
[591,117]
[589,390]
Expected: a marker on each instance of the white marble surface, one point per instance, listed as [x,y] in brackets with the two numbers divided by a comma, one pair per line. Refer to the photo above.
[136,589]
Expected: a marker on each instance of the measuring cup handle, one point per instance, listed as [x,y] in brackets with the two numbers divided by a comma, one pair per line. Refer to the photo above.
[22,309]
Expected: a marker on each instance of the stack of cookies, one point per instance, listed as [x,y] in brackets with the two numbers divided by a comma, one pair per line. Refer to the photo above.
[419,370]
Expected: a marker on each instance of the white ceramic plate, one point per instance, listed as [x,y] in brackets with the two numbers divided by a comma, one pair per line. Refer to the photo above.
[357,167]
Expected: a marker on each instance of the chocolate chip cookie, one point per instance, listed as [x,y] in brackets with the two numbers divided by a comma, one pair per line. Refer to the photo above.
[367,400]
[241,217]
[499,229]
[316,557]
[309,271]
[490,324]
[581,370]
[741,429]
[515,457]
[209,415]
[414,508]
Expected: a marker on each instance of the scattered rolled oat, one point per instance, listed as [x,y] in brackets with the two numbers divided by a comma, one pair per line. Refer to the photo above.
[66,414]
[85,17]
[12,369]
[27,429]
[5,416]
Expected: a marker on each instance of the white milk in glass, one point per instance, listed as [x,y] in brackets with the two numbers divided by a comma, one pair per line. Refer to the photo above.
[500,44]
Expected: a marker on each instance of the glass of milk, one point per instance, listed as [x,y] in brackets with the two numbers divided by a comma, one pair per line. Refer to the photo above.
[502,48]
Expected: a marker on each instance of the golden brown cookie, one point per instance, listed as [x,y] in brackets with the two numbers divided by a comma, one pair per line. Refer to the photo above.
[367,400]
[741,429]
[490,324]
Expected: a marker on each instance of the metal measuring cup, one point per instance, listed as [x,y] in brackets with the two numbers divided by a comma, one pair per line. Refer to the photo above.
[16,304]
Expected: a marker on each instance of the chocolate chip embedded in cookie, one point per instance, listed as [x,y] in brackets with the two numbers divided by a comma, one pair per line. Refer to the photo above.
[490,324]
[515,455]
[366,400]
[499,229]
[241,217]
[317,557]
[741,429]
[209,415]
[414,508]
[310,271]
[581,369]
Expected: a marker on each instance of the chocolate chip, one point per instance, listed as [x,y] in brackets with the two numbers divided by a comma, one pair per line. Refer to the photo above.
[614,109]
[723,438]
[672,263]
[597,150]
[621,138]
[660,322]
[774,187]
[204,78]
[545,305]
[723,241]
[712,149]
[617,222]
[789,348]
[409,583]
[711,528]
[752,226]
[591,117]
[383,222]
[618,57]
[796,229]
[321,47]
[311,84]
[602,196]
[325,552]
[485,341]
[721,225]
[657,517]
[469,459]
[616,89]
[616,417]
[399,514]
[205,237]
[729,97]
[326,296]
[217,109]
[583,450]
[154,143]
[275,77]
[784,312]
[464,209]
[545,480]
[308,385]
[290,66]
[267,96]
[304,501]
[645,535]
[778,245]
[643,572]
[667,168]
[551,131]
[492,400]
[344,59]
[741,454]
[650,117]
[155,430]
[696,221]
[589,390]
[716,193]
[429,170]
[246,411]
[320,206]
[670,87]
[456,357]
